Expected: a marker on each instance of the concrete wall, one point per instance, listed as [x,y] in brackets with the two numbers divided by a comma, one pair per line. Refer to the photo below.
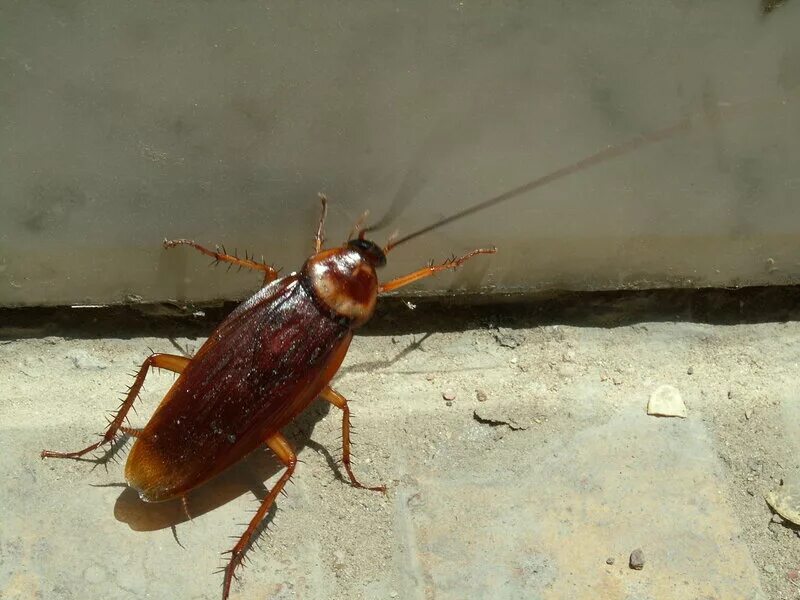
[123,123]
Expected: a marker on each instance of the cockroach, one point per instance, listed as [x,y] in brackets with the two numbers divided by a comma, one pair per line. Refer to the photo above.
[271,357]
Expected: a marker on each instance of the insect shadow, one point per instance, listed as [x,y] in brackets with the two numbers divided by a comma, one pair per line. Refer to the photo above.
[370,366]
[247,476]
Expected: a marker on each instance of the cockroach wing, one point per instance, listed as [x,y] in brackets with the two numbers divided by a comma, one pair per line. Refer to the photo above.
[261,367]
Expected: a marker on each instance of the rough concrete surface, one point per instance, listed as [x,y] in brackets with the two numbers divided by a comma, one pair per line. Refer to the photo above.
[540,489]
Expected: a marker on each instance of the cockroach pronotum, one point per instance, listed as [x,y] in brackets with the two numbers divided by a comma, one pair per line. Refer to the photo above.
[271,357]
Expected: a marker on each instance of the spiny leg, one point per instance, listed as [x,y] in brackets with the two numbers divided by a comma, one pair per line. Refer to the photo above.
[162,361]
[320,237]
[453,263]
[280,446]
[340,402]
[270,274]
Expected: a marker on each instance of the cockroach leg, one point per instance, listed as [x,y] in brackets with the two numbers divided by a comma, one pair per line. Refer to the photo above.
[132,431]
[399,282]
[340,402]
[280,446]
[162,361]
[320,237]
[270,274]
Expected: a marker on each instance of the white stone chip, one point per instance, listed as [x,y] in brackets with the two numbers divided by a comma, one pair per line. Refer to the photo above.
[666,401]
[786,502]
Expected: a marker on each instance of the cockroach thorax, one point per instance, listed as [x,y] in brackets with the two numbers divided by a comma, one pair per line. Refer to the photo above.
[344,279]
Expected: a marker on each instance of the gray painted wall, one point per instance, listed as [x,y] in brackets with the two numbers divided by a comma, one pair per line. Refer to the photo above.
[122,123]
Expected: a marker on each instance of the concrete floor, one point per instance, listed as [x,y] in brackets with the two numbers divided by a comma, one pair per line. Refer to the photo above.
[530,491]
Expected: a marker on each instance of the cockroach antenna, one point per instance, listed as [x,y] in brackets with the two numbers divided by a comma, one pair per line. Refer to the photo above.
[711,114]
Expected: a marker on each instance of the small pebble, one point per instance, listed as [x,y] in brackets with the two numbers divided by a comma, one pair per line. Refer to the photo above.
[785,501]
[449,394]
[610,560]
[666,401]
[776,518]
[770,569]
[747,414]
[774,528]
[637,559]
[730,394]
[690,371]
[507,337]
[482,397]
[430,377]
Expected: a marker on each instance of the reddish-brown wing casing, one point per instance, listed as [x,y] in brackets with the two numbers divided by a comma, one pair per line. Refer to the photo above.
[260,368]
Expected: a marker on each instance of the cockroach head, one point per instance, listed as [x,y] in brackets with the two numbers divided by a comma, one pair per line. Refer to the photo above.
[369,250]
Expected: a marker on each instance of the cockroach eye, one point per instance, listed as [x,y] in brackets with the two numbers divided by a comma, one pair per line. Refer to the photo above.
[369,250]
